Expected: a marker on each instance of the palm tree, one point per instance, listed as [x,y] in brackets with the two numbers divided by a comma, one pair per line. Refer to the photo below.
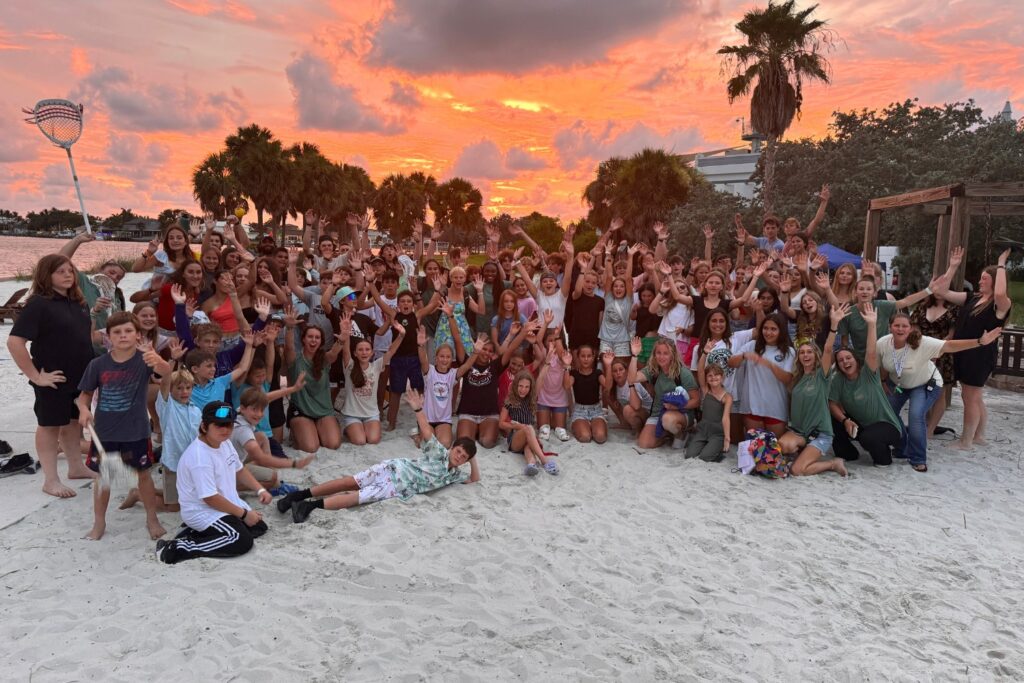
[783,49]
[401,201]
[311,179]
[456,207]
[350,191]
[256,160]
[213,185]
[641,190]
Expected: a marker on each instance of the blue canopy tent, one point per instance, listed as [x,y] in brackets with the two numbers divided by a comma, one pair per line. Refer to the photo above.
[837,257]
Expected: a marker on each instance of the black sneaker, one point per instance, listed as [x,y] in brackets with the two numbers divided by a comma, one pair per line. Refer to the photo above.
[161,545]
[284,504]
[5,448]
[301,510]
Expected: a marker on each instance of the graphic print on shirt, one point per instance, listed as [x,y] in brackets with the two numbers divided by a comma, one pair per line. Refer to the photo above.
[117,390]
[720,357]
[441,392]
[480,377]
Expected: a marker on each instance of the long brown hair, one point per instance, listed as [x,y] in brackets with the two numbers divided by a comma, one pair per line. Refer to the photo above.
[152,336]
[914,338]
[357,375]
[42,278]
[319,356]
[186,251]
[783,343]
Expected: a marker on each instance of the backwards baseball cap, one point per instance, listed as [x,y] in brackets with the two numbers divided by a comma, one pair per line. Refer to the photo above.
[548,275]
[219,413]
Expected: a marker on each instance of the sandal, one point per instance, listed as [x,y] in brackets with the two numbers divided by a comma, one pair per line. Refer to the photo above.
[551,467]
[531,470]
[920,467]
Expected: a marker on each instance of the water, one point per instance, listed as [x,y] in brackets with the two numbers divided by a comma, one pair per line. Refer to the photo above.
[19,255]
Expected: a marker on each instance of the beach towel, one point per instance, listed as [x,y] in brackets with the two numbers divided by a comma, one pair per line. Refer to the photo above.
[744,459]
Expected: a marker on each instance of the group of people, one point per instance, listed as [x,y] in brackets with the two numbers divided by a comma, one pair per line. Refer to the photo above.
[229,352]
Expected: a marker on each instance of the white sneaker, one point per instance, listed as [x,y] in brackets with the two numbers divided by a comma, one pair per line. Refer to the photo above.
[544,432]
[561,433]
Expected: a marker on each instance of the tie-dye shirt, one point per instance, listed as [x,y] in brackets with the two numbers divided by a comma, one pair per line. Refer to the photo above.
[424,474]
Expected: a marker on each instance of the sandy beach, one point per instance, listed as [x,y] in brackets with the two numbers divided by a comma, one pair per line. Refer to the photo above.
[634,567]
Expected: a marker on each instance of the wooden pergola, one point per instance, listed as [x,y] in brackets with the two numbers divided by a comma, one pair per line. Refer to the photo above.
[954,205]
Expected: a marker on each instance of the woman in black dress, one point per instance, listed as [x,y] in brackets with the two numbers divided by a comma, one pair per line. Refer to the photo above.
[56,322]
[936,317]
[986,310]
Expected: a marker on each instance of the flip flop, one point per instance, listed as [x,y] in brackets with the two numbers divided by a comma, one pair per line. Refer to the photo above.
[531,470]
[920,467]
[551,467]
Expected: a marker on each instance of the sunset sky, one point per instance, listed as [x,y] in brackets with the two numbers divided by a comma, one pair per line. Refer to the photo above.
[523,97]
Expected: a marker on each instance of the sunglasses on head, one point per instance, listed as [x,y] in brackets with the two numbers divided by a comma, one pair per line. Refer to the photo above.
[351,297]
[222,413]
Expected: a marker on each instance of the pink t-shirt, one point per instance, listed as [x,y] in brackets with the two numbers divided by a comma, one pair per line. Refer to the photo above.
[552,394]
[527,307]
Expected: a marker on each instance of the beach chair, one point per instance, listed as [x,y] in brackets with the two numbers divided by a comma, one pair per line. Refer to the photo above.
[12,307]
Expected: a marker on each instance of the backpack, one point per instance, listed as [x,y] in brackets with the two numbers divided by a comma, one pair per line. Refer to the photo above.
[768,458]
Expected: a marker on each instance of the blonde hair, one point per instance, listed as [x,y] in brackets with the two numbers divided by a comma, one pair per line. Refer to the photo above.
[849,290]
[182,376]
[798,370]
[675,366]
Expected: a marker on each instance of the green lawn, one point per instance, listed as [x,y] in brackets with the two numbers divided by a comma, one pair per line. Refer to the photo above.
[1017,312]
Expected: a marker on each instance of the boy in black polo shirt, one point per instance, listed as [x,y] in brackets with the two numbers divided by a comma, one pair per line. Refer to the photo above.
[121,421]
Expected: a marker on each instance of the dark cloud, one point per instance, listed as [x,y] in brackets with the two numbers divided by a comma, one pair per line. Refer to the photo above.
[21,142]
[579,143]
[497,35]
[666,75]
[404,96]
[519,159]
[324,104]
[135,105]
[131,157]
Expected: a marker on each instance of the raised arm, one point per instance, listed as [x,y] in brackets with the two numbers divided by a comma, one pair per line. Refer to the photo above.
[835,317]
[709,236]
[661,233]
[517,230]
[293,276]
[238,374]
[999,297]
[870,316]
[72,245]
[824,195]
[567,275]
[786,284]
[396,341]
[290,320]
[478,345]
[958,345]
[532,288]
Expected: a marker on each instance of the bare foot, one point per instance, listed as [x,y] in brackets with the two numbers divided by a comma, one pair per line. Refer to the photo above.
[979,441]
[130,500]
[96,533]
[56,488]
[155,530]
[963,446]
[389,428]
[839,467]
[80,471]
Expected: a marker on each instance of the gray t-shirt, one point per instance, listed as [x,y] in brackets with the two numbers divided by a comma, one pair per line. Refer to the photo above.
[121,397]
[242,434]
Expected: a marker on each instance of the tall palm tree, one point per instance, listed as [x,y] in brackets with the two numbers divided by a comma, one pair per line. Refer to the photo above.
[213,185]
[456,206]
[641,190]
[783,49]
[350,191]
[401,201]
[256,159]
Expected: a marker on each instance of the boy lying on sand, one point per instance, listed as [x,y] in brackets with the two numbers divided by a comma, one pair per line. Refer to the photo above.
[401,477]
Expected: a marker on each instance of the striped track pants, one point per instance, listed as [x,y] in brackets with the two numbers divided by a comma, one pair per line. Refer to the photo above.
[227,537]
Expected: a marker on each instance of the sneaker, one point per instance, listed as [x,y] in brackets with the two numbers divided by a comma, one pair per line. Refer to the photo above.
[544,432]
[161,545]
[561,433]
[283,489]
[531,470]
[286,501]
[301,510]
[5,448]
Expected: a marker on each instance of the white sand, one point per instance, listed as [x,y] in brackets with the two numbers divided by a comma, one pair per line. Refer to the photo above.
[626,567]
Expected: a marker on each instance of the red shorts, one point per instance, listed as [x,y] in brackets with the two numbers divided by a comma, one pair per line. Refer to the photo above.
[768,421]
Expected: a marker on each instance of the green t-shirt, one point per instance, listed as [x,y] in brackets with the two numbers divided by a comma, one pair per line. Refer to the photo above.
[854,327]
[809,405]
[424,474]
[663,384]
[863,398]
[314,400]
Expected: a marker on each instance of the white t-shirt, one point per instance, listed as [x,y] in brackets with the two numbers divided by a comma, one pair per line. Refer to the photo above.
[622,395]
[362,401]
[554,303]
[763,393]
[383,341]
[679,316]
[205,472]
[910,368]
[437,397]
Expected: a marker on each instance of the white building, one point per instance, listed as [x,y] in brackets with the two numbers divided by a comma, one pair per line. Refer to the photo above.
[730,170]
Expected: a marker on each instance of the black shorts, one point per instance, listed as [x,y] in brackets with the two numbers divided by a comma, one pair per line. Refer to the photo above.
[136,454]
[294,412]
[405,369]
[275,413]
[55,407]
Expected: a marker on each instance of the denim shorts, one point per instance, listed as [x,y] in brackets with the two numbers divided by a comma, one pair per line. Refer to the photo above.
[822,442]
[347,420]
[588,413]
[557,410]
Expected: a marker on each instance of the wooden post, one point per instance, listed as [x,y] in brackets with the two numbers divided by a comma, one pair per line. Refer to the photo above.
[871,234]
[959,231]
[941,246]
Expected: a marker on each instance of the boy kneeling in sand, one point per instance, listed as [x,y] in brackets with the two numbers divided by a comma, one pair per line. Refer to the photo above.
[398,478]
[218,522]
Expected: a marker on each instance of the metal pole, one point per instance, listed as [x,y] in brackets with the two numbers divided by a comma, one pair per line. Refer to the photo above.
[81,202]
